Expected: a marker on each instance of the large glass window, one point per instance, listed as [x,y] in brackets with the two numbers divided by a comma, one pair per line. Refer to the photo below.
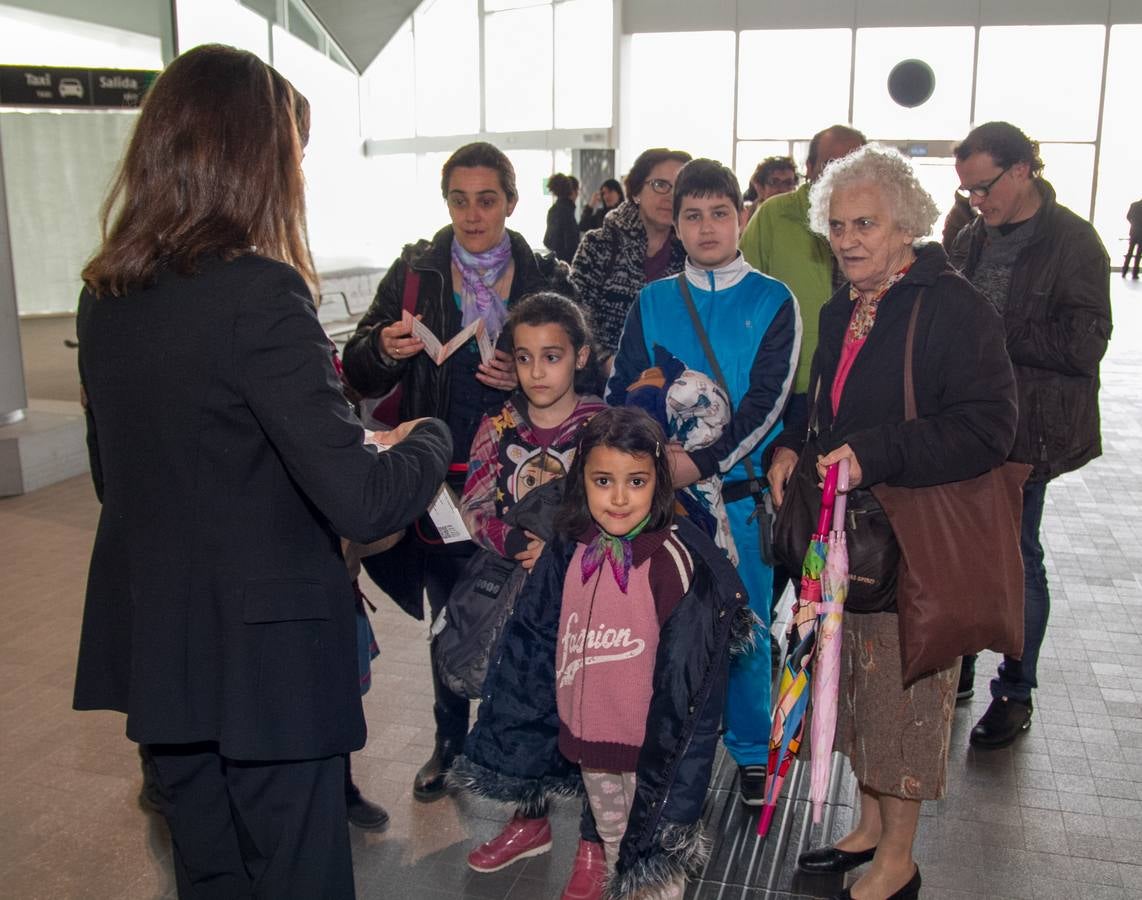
[387,97]
[447,54]
[779,93]
[32,38]
[946,114]
[584,55]
[751,153]
[1045,78]
[1070,168]
[1120,158]
[669,105]
[225,21]
[518,69]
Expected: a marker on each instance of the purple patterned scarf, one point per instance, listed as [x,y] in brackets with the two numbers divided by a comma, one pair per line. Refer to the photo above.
[478,273]
[616,550]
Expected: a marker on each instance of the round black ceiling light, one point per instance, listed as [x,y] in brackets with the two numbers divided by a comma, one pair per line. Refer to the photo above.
[911,82]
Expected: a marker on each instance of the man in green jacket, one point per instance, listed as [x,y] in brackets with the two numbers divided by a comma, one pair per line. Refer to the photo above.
[778,242]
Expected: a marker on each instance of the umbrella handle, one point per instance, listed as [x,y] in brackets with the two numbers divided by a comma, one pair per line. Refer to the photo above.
[842,498]
[828,498]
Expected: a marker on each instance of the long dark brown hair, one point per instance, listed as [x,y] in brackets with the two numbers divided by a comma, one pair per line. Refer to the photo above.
[213,169]
[629,430]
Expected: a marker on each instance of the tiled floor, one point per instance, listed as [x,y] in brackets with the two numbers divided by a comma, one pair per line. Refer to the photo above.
[1057,815]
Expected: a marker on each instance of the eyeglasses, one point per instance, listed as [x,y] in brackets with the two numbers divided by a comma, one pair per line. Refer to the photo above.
[661,185]
[981,190]
[787,183]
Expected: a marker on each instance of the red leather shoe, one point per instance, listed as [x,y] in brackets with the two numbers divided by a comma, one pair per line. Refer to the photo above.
[589,874]
[520,839]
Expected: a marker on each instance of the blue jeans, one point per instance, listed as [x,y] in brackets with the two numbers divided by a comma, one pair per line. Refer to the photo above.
[1018,677]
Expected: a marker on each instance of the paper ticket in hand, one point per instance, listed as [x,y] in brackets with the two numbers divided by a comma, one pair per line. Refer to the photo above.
[438,352]
[445,515]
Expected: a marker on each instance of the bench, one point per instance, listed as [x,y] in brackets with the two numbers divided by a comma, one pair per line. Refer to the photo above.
[345,295]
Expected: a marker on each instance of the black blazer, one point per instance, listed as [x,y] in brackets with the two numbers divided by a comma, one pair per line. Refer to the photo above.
[228,463]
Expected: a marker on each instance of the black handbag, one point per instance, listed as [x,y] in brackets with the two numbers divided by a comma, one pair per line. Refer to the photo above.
[468,628]
[874,555]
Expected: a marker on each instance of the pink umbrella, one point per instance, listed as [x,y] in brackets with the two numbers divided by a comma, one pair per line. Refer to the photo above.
[827,665]
[793,693]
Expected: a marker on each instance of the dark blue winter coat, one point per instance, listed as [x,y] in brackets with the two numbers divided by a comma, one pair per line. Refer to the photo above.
[512,752]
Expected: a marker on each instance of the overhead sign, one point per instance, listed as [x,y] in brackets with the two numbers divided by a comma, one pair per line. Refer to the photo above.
[71,88]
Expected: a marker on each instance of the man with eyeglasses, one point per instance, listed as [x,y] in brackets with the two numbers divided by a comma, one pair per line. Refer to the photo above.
[1046,271]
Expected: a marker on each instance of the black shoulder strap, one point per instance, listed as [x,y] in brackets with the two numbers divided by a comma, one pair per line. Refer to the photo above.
[684,287]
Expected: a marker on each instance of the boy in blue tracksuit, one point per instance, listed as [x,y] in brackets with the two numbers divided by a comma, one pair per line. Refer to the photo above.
[753,325]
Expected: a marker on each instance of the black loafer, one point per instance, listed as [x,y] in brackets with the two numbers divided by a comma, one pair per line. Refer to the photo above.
[1003,722]
[910,891]
[830,860]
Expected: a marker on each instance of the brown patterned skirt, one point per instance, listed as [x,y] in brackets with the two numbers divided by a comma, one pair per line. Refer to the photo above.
[896,739]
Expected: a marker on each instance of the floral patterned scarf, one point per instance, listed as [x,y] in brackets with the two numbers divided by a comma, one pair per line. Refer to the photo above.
[616,550]
[864,314]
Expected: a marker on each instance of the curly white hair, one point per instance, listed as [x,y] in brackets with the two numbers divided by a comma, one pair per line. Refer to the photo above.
[910,206]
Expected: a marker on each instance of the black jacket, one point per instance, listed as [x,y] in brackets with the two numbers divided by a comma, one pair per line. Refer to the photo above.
[965,390]
[562,234]
[1058,324]
[425,385]
[218,604]
[512,752]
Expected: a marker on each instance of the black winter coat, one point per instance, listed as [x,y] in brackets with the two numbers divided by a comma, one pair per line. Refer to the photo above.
[1058,324]
[512,752]
[562,234]
[425,385]
[965,390]
[218,604]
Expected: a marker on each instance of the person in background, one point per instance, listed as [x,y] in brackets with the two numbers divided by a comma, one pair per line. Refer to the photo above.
[474,268]
[1134,249]
[1046,271]
[562,234]
[753,328]
[607,197]
[219,613]
[779,243]
[876,215]
[774,175]
[635,246]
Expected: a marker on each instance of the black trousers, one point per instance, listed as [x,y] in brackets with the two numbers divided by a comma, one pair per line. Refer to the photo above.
[254,830]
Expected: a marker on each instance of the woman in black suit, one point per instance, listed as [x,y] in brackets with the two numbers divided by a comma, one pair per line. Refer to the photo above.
[219,613]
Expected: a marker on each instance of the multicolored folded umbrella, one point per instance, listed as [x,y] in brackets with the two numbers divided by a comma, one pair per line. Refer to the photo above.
[793,691]
[827,659]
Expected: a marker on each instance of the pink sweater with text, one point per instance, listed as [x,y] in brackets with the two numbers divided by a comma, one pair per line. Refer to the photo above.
[608,641]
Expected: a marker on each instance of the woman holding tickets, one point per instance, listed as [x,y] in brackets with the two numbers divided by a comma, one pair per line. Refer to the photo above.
[875,213]
[219,613]
[473,269]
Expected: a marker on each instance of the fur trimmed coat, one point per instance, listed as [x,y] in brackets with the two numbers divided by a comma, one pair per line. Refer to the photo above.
[512,753]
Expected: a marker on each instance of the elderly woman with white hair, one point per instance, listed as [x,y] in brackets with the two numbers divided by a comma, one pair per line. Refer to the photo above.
[875,215]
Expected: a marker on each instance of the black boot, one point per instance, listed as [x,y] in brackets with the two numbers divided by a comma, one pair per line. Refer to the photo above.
[429,782]
[361,812]
[1003,722]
